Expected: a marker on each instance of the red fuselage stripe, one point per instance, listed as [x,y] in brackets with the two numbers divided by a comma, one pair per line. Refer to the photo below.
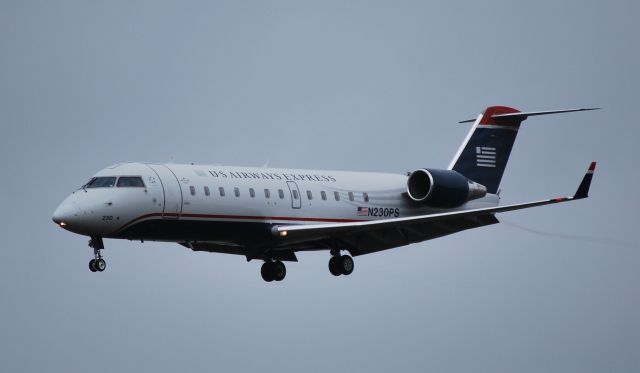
[240,217]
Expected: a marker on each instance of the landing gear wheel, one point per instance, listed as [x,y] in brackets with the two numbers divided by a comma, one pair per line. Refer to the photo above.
[341,265]
[346,265]
[266,272]
[279,270]
[92,265]
[100,265]
[334,266]
[273,271]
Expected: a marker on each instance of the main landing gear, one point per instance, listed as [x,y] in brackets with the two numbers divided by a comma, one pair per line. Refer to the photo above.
[97,264]
[273,271]
[340,264]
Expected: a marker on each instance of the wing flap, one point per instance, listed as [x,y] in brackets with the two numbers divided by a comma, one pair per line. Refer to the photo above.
[225,248]
[396,237]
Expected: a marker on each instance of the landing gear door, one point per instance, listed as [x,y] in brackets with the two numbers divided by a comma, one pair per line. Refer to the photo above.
[296,199]
[172,205]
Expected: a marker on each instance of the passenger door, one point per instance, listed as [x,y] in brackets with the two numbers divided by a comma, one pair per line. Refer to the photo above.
[296,199]
[172,206]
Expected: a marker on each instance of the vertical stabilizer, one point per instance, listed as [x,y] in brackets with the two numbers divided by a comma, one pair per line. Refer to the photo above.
[484,154]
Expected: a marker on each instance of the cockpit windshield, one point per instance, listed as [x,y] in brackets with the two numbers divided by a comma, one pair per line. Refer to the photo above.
[130,181]
[101,182]
[110,181]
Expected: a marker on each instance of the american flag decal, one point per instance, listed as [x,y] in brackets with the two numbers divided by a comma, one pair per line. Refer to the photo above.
[363,211]
[485,156]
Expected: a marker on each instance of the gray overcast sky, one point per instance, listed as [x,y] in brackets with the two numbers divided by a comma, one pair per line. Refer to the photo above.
[358,85]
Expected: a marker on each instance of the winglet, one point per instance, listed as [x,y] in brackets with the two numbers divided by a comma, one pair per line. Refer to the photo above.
[583,189]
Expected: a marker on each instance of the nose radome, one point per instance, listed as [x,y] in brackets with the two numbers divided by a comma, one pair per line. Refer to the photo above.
[66,214]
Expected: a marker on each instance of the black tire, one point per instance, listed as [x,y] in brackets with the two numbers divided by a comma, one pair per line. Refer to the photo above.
[92,265]
[100,265]
[346,265]
[334,266]
[267,272]
[279,270]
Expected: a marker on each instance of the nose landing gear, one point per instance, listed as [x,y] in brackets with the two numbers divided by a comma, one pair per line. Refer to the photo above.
[97,264]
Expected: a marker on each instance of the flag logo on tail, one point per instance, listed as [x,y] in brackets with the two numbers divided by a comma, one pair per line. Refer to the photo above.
[485,156]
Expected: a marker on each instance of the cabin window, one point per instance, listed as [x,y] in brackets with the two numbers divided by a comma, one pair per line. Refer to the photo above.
[267,194]
[365,197]
[323,194]
[336,195]
[193,190]
[295,194]
[351,196]
[281,193]
[221,189]
[252,193]
[206,191]
[130,181]
[309,195]
[236,191]
[101,182]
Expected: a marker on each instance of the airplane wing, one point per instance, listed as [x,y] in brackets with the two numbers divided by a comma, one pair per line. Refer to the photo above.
[370,236]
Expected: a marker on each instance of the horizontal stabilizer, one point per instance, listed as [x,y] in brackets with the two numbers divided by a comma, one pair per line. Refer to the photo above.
[522,116]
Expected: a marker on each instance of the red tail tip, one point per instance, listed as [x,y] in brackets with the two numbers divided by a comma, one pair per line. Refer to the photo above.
[492,110]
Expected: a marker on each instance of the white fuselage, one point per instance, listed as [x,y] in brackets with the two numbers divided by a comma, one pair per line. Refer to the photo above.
[236,205]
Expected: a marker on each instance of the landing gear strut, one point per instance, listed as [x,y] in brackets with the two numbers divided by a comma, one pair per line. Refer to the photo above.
[97,264]
[273,271]
[340,264]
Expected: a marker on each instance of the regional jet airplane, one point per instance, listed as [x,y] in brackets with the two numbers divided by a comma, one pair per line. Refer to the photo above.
[271,214]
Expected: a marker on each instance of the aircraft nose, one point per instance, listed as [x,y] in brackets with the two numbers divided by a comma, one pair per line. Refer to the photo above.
[66,214]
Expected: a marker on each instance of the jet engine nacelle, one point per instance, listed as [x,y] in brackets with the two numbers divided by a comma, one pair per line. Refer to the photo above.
[442,188]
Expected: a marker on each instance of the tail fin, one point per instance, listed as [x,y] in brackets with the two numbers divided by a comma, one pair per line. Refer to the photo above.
[484,154]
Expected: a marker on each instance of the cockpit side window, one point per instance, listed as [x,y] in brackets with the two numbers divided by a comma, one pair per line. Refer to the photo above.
[130,181]
[101,182]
